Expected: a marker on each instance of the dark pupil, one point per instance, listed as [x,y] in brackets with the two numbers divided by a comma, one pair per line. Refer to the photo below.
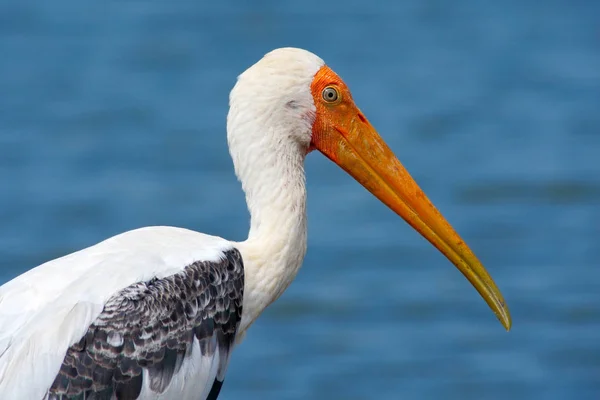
[330,94]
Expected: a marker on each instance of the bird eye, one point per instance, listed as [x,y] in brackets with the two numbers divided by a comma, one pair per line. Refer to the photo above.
[330,94]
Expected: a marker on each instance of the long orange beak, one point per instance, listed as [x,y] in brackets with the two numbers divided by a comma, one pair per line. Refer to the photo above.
[344,135]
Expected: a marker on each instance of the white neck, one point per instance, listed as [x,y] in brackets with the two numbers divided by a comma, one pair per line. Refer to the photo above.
[272,176]
[276,244]
[269,124]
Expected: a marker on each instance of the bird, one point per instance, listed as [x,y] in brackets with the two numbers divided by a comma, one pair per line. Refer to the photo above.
[155,312]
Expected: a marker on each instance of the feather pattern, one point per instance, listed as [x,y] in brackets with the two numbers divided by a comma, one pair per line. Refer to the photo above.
[150,327]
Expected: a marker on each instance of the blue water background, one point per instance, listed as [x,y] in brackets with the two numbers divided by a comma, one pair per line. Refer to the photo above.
[112,117]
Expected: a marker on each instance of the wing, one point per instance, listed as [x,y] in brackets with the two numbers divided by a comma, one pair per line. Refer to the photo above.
[155,333]
[158,306]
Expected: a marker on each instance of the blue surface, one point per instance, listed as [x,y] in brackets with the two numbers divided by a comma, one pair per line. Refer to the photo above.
[112,117]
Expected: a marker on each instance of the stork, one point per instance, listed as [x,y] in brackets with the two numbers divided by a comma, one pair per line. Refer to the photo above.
[154,313]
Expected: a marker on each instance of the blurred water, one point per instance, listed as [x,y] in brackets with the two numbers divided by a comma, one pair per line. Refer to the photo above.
[112,116]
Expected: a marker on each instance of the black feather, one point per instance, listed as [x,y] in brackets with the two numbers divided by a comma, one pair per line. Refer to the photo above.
[215,390]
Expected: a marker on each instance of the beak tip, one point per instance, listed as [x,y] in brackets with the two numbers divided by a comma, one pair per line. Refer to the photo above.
[505,318]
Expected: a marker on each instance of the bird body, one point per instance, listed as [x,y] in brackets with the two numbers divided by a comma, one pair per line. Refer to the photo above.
[154,313]
[50,308]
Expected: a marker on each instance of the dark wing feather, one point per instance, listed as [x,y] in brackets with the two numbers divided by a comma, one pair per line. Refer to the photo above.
[152,325]
[215,390]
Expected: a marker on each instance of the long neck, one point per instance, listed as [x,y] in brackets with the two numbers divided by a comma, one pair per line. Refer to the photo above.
[277,204]
[274,184]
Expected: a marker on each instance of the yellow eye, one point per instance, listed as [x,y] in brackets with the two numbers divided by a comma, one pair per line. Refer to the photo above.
[330,94]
